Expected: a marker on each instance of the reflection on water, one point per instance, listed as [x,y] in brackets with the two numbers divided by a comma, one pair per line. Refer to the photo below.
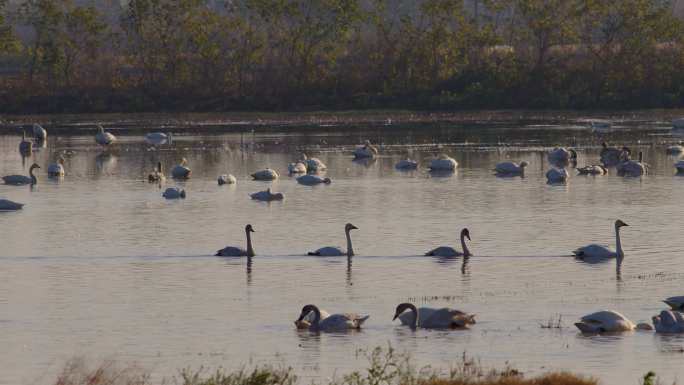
[99,264]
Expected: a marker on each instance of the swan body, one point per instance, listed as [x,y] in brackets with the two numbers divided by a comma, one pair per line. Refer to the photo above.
[429,318]
[332,251]
[446,251]
[265,174]
[556,175]
[406,164]
[561,156]
[366,151]
[232,251]
[20,180]
[332,323]
[596,251]
[314,165]
[632,168]
[608,321]
[668,321]
[296,168]
[174,193]
[39,132]
[104,138]
[511,168]
[267,196]
[311,180]
[676,303]
[593,169]
[56,169]
[8,205]
[25,146]
[226,179]
[611,156]
[181,171]
[306,322]
[157,138]
[443,163]
[157,175]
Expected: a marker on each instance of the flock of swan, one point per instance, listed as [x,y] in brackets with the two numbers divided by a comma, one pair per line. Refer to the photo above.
[313,318]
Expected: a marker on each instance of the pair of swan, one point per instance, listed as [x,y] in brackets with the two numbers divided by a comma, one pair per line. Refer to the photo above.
[447,251]
[267,196]
[157,176]
[8,205]
[20,180]
[265,174]
[226,179]
[443,163]
[632,168]
[406,164]
[561,156]
[56,169]
[232,251]
[181,171]
[430,318]
[510,168]
[366,151]
[174,193]
[330,323]
[104,138]
[333,251]
[311,180]
[597,252]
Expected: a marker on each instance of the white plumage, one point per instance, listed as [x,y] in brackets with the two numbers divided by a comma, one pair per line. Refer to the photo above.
[556,176]
[447,251]
[596,251]
[226,179]
[511,168]
[265,174]
[334,322]
[19,180]
[181,171]
[669,322]
[39,132]
[8,205]
[561,156]
[267,196]
[174,193]
[366,151]
[311,180]
[607,321]
[443,163]
[333,251]
[406,164]
[429,318]
[676,303]
[104,138]
[56,169]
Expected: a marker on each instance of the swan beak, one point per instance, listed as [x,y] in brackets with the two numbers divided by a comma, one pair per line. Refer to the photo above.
[395,317]
[354,227]
[468,236]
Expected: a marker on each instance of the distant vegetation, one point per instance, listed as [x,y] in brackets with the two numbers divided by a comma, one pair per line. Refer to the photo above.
[183,55]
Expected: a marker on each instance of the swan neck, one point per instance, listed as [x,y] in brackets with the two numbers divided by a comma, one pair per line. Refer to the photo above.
[618,244]
[350,249]
[317,317]
[250,250]
[466,252]
[414,324]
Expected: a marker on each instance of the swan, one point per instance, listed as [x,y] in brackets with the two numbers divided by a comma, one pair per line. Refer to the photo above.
[306,322]
[406,164]
[296,168]
[611,156]
[676,303]
[633,168]
[314,164]
[174,193]
[429,318]
[366,151]
[668,322]
[104,138]
[593,169]
[181,171]
[332,251]
[680,167]
[675,149]
[8,205]
[334,322]
[232,251]
[556,176]
[267,196]
[443,163]
[158,138]
[446,251]
[56,169]
[226,179]
[19,180]
[511,168]
[265,174]
[607,321]
[25,146]
[39,132]
[157,175]
[595,251]
[311,180]
[561,156]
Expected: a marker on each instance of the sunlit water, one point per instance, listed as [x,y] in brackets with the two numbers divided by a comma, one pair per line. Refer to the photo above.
[100,265]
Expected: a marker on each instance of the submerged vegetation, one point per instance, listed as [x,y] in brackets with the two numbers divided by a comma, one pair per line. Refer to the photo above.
[200,55]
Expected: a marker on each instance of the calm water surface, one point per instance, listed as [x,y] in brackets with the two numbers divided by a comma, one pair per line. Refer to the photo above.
[100,265]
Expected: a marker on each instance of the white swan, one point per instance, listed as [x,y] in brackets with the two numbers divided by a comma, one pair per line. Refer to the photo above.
[158,138]
[226,179]
[157,175]
[632,168]
[39,132]
[511,168]
[266,196]
[334,322]
[333,251]
[56,169]
[296,168]
[366,151]
[232,251]
[181,171]
[19,180]
[406,164]
[680,167]
[305,323]
[556,176]
[561,156]
[311,180]
[174,193]
[668,322]
[611,156]
[447,251]
[25,146]
[104,138]
[608,321]
[265,174]
[8,205]
[596,251]
[593,169]
[676,303]
[314,164]
[429,318]
[443,163]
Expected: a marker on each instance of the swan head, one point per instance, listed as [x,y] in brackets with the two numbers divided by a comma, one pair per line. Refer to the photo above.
[278,196]
[620,223]
[524,164]
[402,307]
[249,229]
[327,180]
[465,233]
[305,311]
[349,227]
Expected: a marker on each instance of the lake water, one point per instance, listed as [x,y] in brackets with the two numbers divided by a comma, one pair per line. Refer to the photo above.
[99,265]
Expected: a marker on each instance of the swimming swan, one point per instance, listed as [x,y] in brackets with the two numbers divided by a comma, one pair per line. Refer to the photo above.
[561,156]
[296,168]
[310,180]
[265,174]
[366,151]
[232,251]
[406,164]
[510,168]
[611,156]
[8,205]
[226,179]
[334,322]
[429,318]
[104,138]
[446,251]
[181,171]
[595,251]
[332,251]
[20,180]
[607,321]
[267,196]
[157,175]
[668,322]
[632,168]
[39,132]
[556,176]
[314,164]
[443,163]
[306,322]
[56,169]
[676,303]
[174,193]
